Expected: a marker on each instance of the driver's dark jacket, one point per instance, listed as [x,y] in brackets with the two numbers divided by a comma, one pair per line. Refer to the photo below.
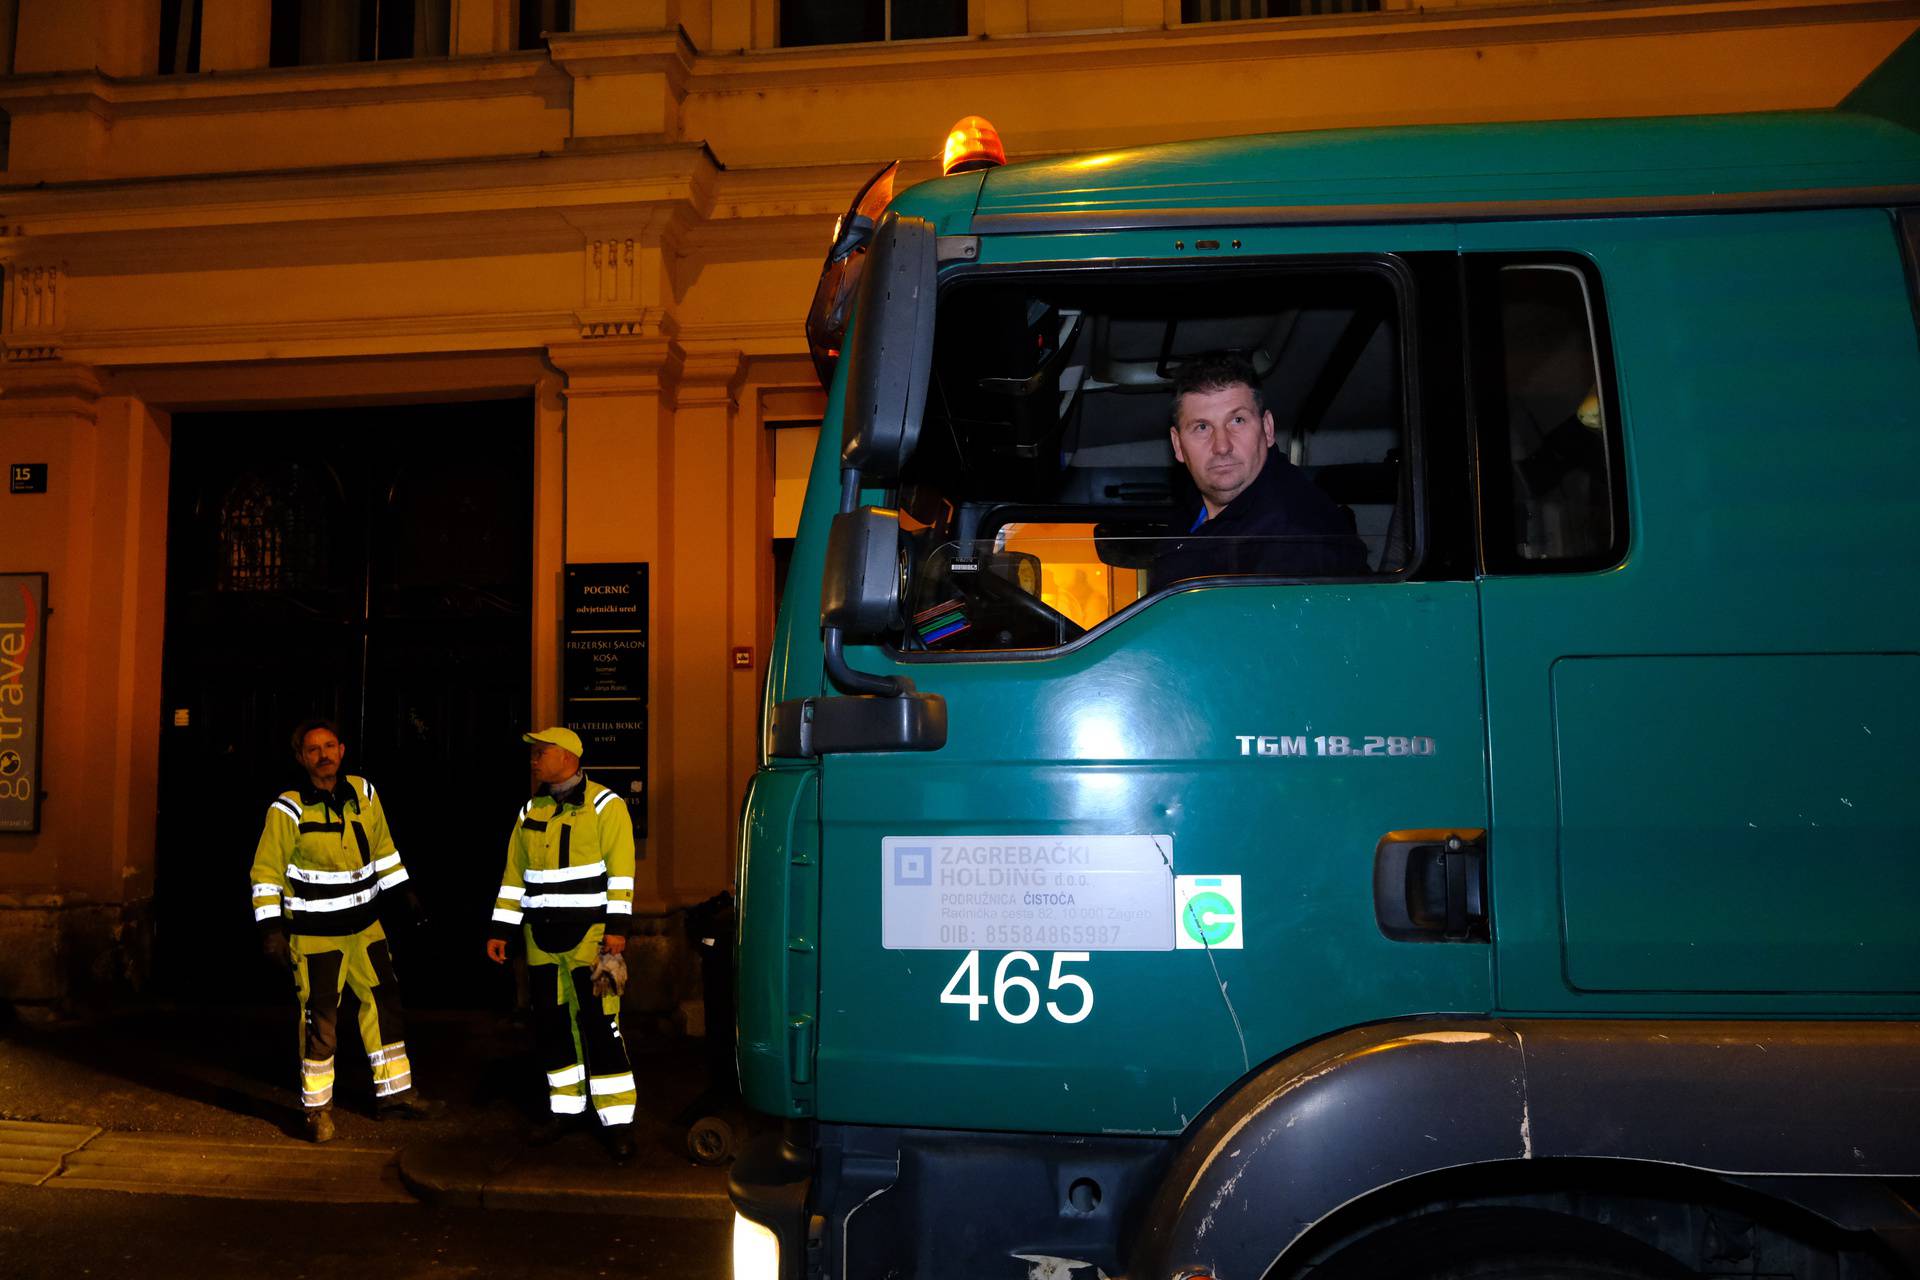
[1280,526]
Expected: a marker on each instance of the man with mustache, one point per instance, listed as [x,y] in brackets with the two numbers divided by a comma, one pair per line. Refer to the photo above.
[324,861]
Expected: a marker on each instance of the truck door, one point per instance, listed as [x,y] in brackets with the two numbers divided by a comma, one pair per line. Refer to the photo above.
[1173,824]
[1696,447]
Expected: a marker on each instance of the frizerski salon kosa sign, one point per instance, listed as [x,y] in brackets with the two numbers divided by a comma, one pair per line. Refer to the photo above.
[23,633]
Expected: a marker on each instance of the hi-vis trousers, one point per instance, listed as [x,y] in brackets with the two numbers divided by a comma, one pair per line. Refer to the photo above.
[323,968]
[577,1034]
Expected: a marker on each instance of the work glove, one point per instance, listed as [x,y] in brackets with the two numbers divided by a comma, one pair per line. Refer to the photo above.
[273,944]
[609,974]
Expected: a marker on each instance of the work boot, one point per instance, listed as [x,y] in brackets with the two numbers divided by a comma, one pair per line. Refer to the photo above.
[409,1106]
[620,1142]
[550,1130]
[320,1126]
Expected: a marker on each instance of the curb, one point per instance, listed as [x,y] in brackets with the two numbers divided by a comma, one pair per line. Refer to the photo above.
[38,1154]
[32,1151]
[176,1165]
[571,1177]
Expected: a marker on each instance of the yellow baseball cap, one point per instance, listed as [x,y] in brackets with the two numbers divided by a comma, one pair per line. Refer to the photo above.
[565,739]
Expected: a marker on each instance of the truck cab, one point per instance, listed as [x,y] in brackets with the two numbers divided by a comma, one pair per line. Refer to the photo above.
[1528,879]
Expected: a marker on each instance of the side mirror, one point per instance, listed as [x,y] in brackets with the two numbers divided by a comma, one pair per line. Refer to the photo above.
[892,351]
[827,317]
[860,594]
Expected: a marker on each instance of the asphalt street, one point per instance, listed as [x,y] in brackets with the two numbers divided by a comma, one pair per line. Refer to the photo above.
[76,1233]
[167,1141]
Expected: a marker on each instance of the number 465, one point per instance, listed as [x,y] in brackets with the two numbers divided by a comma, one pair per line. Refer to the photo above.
[1028,999]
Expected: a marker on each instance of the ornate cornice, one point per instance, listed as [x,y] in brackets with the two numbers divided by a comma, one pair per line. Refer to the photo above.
[54,389]
[599,53]
[33,312]
[617,366]
[286,88]
[710,379]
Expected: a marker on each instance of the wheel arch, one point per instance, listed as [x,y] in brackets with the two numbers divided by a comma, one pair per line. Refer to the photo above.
[1376,1107]
[1668,1209]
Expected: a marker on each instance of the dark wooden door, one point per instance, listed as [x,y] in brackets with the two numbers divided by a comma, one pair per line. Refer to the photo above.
[374,566]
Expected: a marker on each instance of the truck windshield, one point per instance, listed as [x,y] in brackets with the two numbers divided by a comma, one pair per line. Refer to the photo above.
[1046,495]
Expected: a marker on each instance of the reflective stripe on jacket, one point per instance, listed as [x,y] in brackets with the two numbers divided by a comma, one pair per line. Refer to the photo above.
[323,860]
[569,867]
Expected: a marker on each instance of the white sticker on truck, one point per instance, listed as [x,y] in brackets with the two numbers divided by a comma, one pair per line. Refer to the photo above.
[1046,893]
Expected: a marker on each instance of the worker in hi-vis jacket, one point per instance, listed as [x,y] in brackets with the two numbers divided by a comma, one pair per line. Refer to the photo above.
[324,862]
[569,887]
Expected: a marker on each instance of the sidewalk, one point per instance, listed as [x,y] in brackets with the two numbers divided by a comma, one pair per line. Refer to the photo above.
[191,1101]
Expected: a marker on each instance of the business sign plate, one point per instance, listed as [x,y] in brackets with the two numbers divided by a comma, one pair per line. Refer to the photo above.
[603,676]
[1027,892]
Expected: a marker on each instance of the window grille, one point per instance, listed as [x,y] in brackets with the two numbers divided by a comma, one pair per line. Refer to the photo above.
[269,537]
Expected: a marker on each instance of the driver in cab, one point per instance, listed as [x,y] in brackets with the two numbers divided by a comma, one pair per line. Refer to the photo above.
[1257,513]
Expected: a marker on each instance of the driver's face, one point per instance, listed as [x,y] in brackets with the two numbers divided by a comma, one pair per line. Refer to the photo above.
[320,755]
[1223,440]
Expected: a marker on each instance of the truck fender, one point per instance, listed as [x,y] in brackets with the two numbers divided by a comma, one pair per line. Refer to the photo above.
[1372,1106]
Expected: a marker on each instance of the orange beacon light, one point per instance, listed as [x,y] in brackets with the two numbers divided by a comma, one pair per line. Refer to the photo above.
[972,144]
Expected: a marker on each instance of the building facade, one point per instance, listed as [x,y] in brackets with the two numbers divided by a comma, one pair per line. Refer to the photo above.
[528,277]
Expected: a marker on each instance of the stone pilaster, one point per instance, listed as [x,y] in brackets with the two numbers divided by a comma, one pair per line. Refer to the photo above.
[72,895]
[699,612]
[619,507]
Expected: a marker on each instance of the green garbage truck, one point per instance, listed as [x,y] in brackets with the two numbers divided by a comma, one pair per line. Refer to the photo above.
[1527,887]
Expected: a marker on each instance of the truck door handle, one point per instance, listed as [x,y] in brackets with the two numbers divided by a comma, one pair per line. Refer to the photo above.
[1431,885]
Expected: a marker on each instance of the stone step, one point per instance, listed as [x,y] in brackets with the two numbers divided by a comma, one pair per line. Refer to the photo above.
[31,1152]
[172,1164]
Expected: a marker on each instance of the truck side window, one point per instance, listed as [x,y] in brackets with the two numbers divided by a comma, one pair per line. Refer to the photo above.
[1045,497]
[1549,449]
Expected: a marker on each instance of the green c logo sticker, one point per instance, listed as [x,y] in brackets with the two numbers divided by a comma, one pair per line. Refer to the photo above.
[1208,919]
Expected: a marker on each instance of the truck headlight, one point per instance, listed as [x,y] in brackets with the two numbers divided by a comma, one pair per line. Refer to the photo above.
[756,1251]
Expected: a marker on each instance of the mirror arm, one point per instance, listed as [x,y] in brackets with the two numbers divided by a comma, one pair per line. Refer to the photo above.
[833,642]
[852,681]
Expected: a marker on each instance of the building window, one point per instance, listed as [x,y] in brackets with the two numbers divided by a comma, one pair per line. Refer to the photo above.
[805,22]
[1238,10]
[541,18]
[310,33]
[179,37]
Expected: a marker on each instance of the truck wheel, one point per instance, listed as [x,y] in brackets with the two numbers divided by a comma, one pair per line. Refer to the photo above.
[1499,1244]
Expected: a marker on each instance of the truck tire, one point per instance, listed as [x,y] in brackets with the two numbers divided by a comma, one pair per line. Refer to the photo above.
[1499,1244]
[710,1141]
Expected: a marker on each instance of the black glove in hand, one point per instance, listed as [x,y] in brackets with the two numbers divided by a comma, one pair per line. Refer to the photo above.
[416,912]
[274,945]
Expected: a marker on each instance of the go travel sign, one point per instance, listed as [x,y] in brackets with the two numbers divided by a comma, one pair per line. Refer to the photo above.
[23,633]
